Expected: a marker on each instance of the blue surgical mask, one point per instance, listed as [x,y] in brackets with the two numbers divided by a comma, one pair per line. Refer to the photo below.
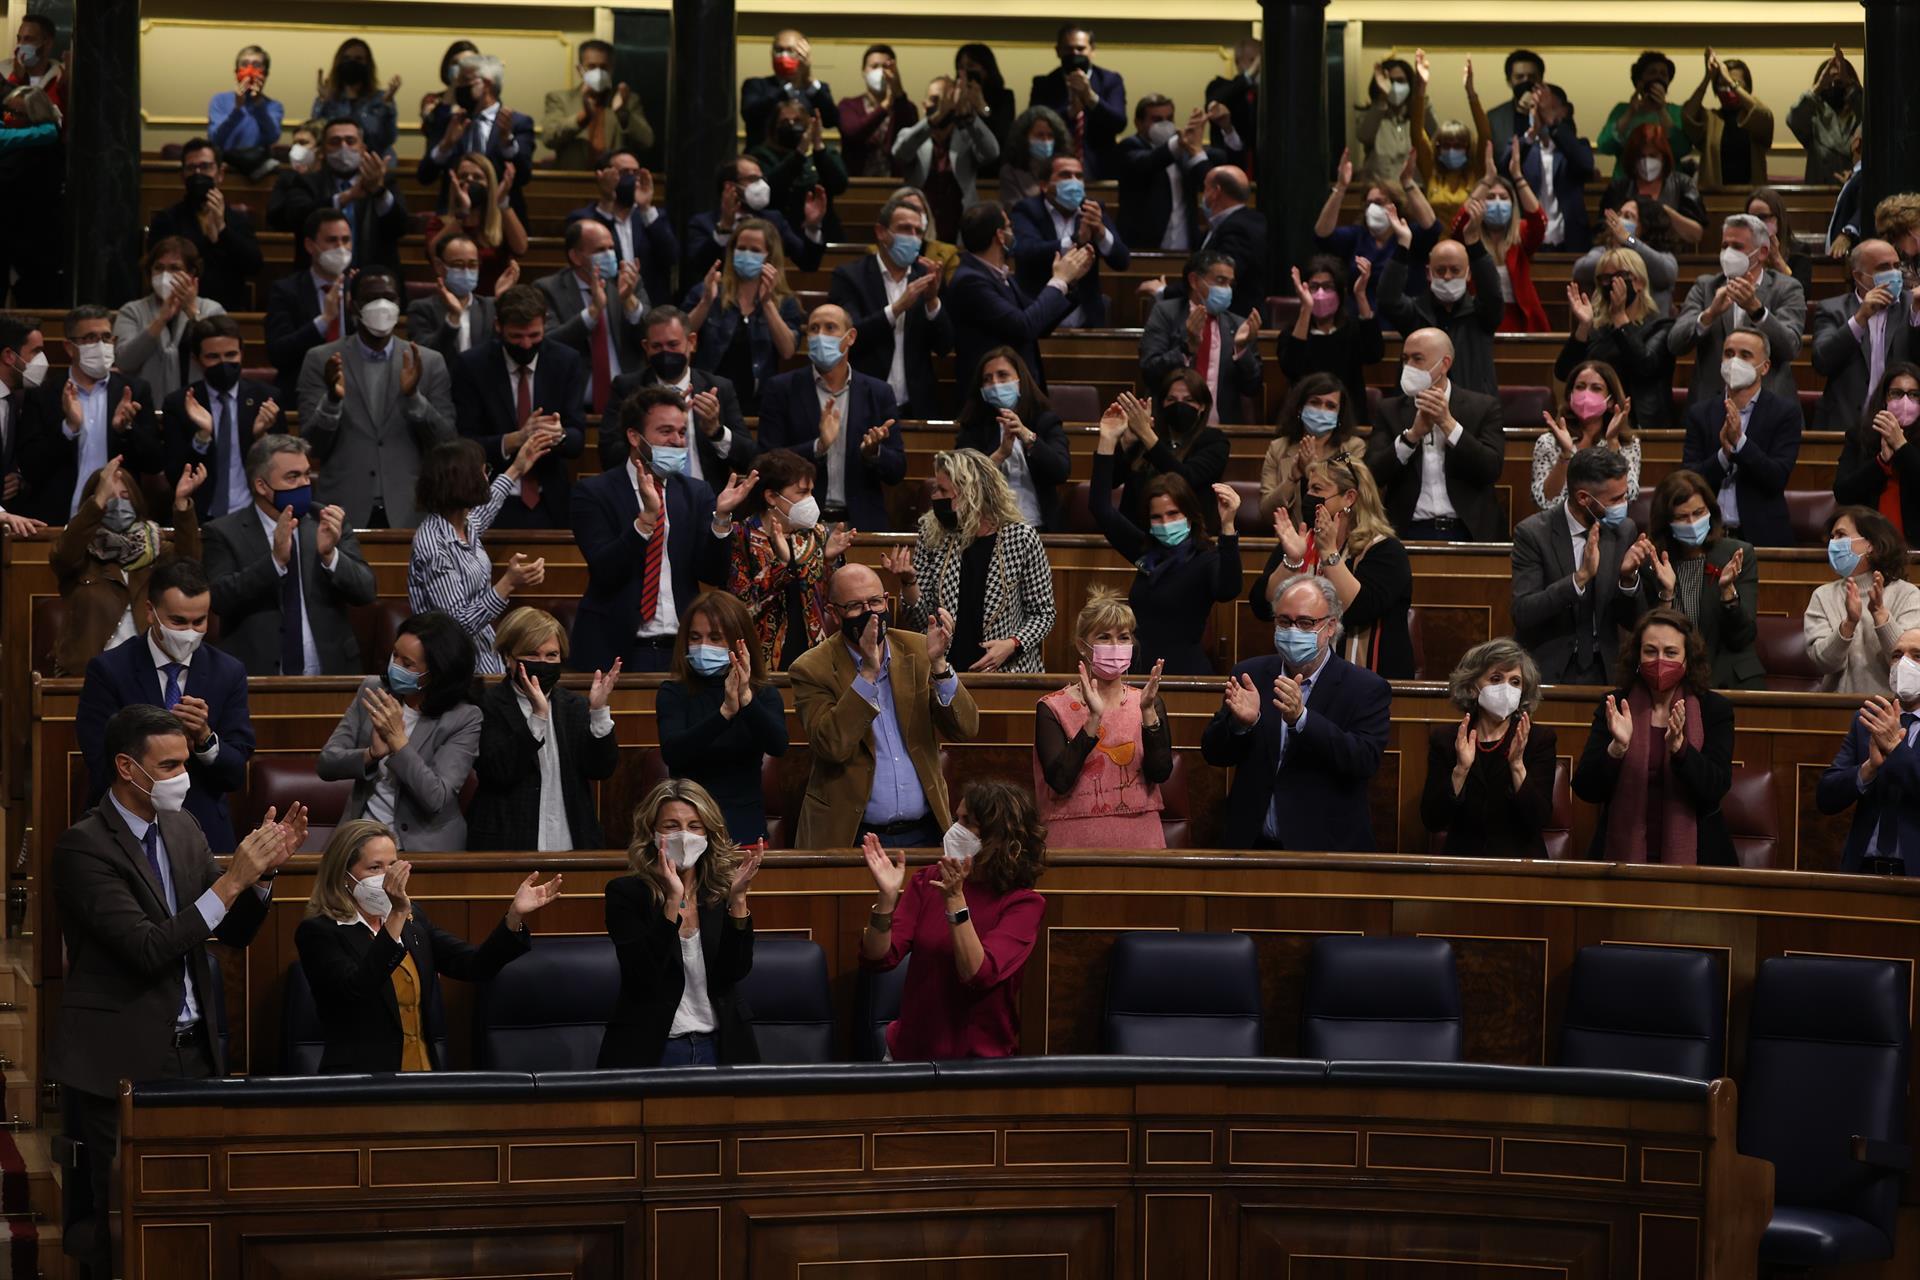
[1842,556]
[1499,214]
[824,350]
[902,250]
[462,281]
[1219,298]
[747,264]
[1452,157]
[1001,395]
[1891,280]
[1629,228]
[607,263]
[1615,516]
[1068,193]
[708,659]
[1296,646]
[400,680]
[1040,148]
[1172,533]
[1692,532]
[1319,421]
[669,460]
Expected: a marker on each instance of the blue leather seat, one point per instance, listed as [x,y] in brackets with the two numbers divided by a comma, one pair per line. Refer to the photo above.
[788,1000]
[876,1002]
[548,1010]
[1383,1000]
[1183,995]
[1658,1009]
[1824,1099]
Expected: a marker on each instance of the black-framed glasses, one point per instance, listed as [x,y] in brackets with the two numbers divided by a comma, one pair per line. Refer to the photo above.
[1284,623]
[861,608]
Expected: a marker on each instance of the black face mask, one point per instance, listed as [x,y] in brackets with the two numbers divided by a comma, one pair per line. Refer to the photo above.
[623,190]
[1310,509]
[546,674]
[1522,89]
[465,97]
[1075,62]
[352,73]
[199,187]
[224,376]
[668,366]
[521,355]
[1180,416]
[790,133]
[1835,96]
[943,512]
[855,627]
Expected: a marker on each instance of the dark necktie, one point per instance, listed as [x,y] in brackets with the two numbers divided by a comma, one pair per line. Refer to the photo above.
[522,410]
[223,444]
[172,694]
[651,565]
[150,842]
[293,650]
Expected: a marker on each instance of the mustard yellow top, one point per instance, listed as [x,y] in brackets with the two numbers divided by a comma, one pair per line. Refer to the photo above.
[406,993]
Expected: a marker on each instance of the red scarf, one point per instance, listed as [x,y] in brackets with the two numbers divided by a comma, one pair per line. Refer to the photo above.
[1627,819]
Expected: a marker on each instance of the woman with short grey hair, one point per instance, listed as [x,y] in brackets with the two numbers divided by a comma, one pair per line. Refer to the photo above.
[1490,777]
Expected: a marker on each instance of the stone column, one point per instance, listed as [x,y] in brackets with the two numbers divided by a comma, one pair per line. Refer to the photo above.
[104,238]
[702,107]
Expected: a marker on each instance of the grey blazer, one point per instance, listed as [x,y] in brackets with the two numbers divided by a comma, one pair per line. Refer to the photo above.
[156,361]
[1554,624]
[567,320]
[427,324]
[1784,320]
[971,147]
[428,772]
[367,453]
[246,593]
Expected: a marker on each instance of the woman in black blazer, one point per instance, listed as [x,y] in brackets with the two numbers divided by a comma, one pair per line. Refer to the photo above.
[717,714]
[681,928]
[540,745]
[1712,578]
[1490,777]
[1864,474]
[1659,758]
[374,960]
[1004,414]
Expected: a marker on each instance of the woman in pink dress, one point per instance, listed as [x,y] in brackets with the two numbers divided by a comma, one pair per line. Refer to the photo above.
[1101,748]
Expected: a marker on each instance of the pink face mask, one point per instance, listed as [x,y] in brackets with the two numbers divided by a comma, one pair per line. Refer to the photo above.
[1110,661]
[1325,302]
[1587,404]
[1904,411]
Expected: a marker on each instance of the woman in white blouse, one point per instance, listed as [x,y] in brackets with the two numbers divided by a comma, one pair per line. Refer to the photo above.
[540,745]
[449,569]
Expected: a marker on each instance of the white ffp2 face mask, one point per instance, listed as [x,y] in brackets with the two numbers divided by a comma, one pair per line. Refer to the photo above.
[180,645]
[1737,373]
[959,844]
[1501,699]
[168,794]
[371,894]
[682,848]
[1413,381]
[1904,678]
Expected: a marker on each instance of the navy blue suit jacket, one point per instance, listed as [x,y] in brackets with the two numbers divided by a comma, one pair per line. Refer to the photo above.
[485,408]
[520,129]
[790,419]
[292,305]
[1890,804]
[654,246]
[604,508]
[991,311]
[1761,469]
[1322,784]
[1572,167]
[1035,247]
[125,676]
[858,290]
[1105,118]
[701,252]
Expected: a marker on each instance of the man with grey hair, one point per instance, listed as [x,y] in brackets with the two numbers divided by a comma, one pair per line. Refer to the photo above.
[284,575]
[1576,573]
[1745,294]
[1303,729]
[1860,334]
[476,122]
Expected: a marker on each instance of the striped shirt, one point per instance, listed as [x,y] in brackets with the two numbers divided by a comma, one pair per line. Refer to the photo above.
[455,576]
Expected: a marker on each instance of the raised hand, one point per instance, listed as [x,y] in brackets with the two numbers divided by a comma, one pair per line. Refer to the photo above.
[1562,437]
[898,561]
[1730,576]
[530,689]
[263,421]
[1286,698]
[1293,537]
[1851,588]
[601,691]
[336,376]
[1465,749]
[939,636]
[1664,571]
[1589,558]
[875,437]
[838,540]
[1877,599]
[1152,691]
[124,412]
[1227,498]
[1579,306]
[409,369]
[1248,333]
[1243,699]
[103,488]
[737,490]
[1677,726]
[1620,723]
[739,681]
[530,897]
[745,870]
[283,523]
[889,871]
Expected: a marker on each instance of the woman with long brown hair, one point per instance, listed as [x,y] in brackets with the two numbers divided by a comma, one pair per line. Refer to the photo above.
[744,311]
[681,928]
[1594,412]
[718,712]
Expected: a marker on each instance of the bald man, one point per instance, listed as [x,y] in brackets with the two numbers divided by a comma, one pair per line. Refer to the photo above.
[1238,231]
[1878,769]
[792,78]
[841,419]
[1859,335]
[875,704]
[1436,449]
[1469,317]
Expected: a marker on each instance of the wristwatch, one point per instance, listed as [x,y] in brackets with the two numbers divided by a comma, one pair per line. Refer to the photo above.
[942,675]
[959,917]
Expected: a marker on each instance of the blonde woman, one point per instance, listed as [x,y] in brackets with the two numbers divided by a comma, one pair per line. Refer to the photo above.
[1347,539]
[477,204]
[681,927]
[1620,325]
[1595,412]
[745,312]
[374,960]
[977,559]
[1101,748]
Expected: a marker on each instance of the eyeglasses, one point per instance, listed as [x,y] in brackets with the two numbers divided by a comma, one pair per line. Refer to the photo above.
[1902,395]
[860,608]
[1298,624]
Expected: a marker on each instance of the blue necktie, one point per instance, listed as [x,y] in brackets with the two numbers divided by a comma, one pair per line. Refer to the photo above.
[151,843]
[293,657]
[172,695]
[223,443]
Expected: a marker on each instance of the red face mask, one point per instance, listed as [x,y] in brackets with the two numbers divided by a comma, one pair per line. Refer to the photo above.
[785,63]
[1662,674]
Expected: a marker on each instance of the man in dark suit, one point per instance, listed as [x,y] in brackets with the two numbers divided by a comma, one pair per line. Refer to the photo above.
[22,357]
[1238,135]
[309,308]
[1162,167]
[640,577]
[595,306]
[1442,302]
[842,420]
[1237,231]
[1303,730]
[212,423]
[792,78]
[1857,335]
[1058,220]
[229,252]
[1437,450]
[73,425]
[640,232]
[139,896]
[475,122]
[352,181]
[456,316]
[1555,158]
[1746,444]
[1185,331]
[893,297]
[1092,100]
[989,307]
[743,193]
[1524,70]
[722,445]
[283,574]
[1878,768]
[168,666]
[516,383]
[1576,573]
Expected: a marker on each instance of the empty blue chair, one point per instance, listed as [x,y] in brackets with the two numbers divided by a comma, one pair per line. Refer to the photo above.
[1183,995]
[1658,1009]
[1382,999]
